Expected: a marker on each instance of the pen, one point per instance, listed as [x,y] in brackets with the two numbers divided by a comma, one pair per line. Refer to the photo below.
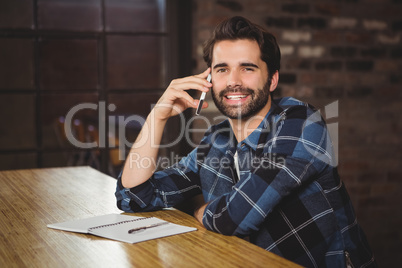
[197,112]
[147,227]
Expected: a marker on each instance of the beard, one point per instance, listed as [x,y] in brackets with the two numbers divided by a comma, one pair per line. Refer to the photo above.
[258,99]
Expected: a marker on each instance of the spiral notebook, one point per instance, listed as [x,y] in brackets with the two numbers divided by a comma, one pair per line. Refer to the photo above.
[125,228]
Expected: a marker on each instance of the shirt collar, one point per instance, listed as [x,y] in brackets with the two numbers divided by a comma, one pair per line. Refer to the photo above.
[253,139]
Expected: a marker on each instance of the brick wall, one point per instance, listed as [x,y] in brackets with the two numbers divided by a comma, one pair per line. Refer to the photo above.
[350,52]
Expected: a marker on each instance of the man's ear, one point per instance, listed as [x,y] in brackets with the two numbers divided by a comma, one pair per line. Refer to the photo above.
[274,81]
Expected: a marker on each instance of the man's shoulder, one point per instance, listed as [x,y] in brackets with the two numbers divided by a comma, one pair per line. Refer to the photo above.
[287,102]
[290,105]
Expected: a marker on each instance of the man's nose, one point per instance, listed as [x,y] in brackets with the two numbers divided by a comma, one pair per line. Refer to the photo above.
[234,79]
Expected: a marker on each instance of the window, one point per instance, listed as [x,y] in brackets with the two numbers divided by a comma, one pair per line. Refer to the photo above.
[85,72]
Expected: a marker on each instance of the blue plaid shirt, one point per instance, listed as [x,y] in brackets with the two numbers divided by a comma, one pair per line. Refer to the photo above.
[287,197]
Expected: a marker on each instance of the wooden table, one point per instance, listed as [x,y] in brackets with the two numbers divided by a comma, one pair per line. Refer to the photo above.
[31,199]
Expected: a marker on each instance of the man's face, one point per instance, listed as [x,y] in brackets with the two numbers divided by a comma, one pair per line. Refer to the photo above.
[240,79]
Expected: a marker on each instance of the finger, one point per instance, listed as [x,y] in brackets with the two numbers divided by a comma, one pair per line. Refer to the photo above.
[191,83]
[197,102]
[204,74]
[182,95]
[198,77]
[204,104]
[197,82]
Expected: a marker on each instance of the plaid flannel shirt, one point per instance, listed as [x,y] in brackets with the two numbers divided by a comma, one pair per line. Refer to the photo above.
[287,199]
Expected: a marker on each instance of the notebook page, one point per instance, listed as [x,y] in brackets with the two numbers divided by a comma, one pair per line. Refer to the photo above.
[82,225]
[120,231]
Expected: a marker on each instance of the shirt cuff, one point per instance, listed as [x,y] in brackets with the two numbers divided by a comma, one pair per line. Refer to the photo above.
[135,198]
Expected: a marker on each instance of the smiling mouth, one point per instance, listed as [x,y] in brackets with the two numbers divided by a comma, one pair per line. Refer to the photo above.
[235,97]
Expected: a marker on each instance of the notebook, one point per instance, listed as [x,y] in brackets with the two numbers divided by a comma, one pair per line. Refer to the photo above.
[124,228]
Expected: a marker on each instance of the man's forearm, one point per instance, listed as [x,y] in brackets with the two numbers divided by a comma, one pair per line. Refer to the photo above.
[141,161]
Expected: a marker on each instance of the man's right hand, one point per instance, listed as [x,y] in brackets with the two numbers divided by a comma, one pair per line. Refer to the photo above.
[175,99]
[173,102]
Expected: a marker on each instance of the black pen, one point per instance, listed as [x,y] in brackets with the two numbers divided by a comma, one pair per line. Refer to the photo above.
[147,227]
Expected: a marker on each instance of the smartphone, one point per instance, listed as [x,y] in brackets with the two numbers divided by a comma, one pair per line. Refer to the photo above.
[202,98]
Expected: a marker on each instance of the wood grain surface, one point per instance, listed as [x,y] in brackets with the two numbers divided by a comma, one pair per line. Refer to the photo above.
[31,199]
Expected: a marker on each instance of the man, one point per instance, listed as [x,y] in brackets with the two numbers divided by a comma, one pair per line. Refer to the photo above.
[266,173]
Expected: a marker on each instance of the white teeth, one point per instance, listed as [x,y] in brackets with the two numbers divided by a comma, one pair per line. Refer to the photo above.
[236,97]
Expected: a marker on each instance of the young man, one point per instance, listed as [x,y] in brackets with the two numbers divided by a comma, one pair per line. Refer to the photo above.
[267,172]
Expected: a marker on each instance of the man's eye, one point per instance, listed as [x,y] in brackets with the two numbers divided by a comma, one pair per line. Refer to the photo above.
[249,69]
[221,70]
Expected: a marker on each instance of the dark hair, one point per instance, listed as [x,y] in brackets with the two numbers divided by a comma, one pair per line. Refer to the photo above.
[241,28]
